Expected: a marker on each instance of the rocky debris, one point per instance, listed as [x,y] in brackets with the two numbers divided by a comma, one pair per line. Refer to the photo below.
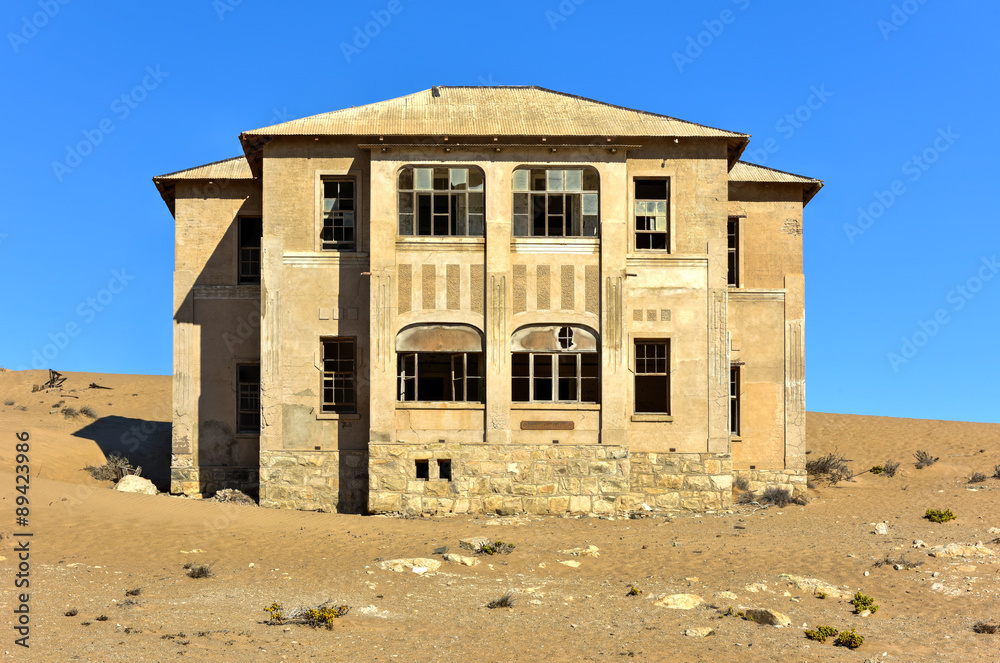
[961,550]
[917,543]
[461,559]
[701,632]
[726,596]
[136,484]
[474,543]
[232,496]
[757,587]
[571,563]
[767,617]
[416,564]
[371,611]
[993,530]
[814,585]
[680,601]
[589,551]
[881,528]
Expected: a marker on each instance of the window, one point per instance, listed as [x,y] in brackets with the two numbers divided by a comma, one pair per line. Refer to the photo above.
[733,238]
[440,376]
[734,400]
[338,215]
[423,469]
[441,201]
[444,469]
[555,202]
[338,376]
[652,377]
[555,364]
[652,215]
[248,398]
[250,231]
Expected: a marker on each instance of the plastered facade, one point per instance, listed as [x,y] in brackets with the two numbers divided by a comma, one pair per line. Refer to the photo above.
[502,456]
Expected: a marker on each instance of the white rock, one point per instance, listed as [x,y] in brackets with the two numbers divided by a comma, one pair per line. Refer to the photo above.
[571,563]
[400,565]
[961,550]
[680,601]
[461,559]
[814,585]
[881,528]
[702,632]
[133,484]
[727,596]
[589,551]
[917,543]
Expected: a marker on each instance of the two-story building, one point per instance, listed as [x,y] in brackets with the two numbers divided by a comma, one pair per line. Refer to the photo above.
[488,299]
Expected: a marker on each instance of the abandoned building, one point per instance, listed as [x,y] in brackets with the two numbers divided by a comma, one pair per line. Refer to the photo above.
[488,299]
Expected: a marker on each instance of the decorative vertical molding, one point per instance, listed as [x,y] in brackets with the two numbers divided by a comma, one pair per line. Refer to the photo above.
[428,287]
[592,287]
[520,288]
[498,310]
[404,284]
[383,285]
[795,371]
[543,288]
[477,287]
[718,352]
[453,287]
[615,325]
[567,294]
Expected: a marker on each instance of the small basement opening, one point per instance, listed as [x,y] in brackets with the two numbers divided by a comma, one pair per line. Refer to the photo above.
[423,470]
[444,469]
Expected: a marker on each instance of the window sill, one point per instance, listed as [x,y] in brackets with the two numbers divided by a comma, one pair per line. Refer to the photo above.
[556,406]
[435,405]
[343,416]
[653,417]
[735,438]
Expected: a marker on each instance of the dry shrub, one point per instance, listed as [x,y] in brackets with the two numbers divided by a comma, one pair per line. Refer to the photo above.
[985,627]
[780,497]
[977,477]
[924,459]
[199,571]
[72,613]
[742,483]
[88,411]
[505,601]
[70,413]
[996,471]
[114,469]
[133,592]
[891,561]
[831,468]
[890,468]
[9,401]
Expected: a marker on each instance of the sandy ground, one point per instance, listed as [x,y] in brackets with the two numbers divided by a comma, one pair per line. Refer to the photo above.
[92,544]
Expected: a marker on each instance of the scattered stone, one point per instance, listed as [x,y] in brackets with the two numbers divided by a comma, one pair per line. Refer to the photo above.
[814,585]
[864,613]
[589,551]
[135,484]
[917,543]
[232,496]
[867,574]
[571,563]
[474,543]
[677,544]
[961,550]
[757,587]
[702,632]
[993,530]
[461,559]
[881,528]
[414,563]
[727,596]
[680,601]
[768,617]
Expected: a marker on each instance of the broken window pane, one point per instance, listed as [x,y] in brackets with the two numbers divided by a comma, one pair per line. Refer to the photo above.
[475,179]
[459,178]
[552,212]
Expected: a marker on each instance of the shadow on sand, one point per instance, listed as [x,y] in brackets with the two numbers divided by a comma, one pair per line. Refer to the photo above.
[145,443]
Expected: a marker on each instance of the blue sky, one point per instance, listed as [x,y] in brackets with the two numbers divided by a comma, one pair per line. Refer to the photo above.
[893,104]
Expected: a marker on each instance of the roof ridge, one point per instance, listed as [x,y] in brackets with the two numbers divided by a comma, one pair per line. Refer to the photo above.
[775,170]
[241,157]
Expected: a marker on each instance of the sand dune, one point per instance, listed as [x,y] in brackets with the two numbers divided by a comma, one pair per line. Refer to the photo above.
[92,544]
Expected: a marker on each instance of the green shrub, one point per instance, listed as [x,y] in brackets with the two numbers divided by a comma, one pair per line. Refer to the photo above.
[633,591]
[495,548]
[850,639]
[938,516]
[321,615]
[821,633]
[862,602]
[877,469]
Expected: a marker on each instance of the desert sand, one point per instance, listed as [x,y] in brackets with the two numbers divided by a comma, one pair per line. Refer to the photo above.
[92,544]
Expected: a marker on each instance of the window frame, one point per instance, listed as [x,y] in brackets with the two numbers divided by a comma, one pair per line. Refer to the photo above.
[332,407]
[735,400]
[668,221]
[665,375]
[555,377]
[412,377]
[734,254]
[345,246]
[241,259]
[254,395]
[546,195]
[452,198]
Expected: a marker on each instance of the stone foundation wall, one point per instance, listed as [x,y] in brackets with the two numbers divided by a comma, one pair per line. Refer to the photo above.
[328,481]
[538,479]
[207,480]
[794,481]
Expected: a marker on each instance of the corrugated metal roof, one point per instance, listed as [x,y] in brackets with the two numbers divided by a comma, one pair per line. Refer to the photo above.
[235,168]
[491,111]
[744,171]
